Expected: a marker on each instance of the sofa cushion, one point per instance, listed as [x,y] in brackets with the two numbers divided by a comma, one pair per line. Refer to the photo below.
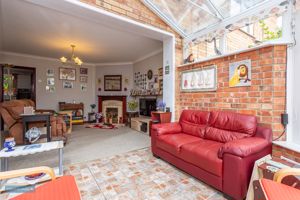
[203,154]
[228,126]
[173,142]
[224,136]
[193,122]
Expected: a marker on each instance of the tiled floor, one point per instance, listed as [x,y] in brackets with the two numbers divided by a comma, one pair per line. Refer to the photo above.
[137,175]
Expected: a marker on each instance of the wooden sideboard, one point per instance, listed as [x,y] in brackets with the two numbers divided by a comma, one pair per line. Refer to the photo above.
[77,111]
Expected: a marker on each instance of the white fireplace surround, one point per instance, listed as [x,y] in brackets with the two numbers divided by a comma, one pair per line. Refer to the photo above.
[112,104]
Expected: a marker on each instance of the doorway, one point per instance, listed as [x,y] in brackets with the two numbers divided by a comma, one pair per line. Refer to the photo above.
[17,82]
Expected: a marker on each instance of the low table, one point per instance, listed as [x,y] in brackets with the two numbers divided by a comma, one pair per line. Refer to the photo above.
[29,149]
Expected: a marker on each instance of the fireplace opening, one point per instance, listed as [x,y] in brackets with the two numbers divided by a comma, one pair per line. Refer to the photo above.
[112,115]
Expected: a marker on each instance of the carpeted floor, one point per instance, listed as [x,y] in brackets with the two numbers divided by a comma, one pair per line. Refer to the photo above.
[85,144]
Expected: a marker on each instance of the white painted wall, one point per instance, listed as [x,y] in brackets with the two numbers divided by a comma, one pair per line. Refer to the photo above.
[293,87]
[126,70]
[46,100]
[169,79]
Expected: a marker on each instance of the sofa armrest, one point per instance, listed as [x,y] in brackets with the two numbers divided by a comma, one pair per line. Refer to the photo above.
[264,132]
[166,128]
[243,147]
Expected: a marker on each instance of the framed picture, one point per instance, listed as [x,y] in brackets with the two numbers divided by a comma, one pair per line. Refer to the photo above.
[50,81]
[240,73]
[204,79]
[67,74]
[84,71]
[68,84]
[50,88]
[50,72]
[113,83]
[83,79]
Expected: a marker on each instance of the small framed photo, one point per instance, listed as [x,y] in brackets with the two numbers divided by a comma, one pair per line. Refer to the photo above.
[84,71]
[83,79]
[50,72]
[50,81]
[50,88]
[68,84]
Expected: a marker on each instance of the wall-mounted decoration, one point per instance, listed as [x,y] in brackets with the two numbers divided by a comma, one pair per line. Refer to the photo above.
[167,69]
[149,74]
[68,84]
[83,79]
[67,74]
[50,81]
[113,83]
[50,88]
[84,71]
[83,87]
[240,73]
[204,79]
[50,72]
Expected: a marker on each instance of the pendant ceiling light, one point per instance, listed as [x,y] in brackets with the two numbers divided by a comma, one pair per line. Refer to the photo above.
[74,58]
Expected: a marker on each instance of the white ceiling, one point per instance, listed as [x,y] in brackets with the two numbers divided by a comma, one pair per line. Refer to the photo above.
[29,28]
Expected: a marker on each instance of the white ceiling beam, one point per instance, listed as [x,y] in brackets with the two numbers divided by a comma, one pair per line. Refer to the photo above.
[168,9]
[154,9]
[215,9]
[230,20]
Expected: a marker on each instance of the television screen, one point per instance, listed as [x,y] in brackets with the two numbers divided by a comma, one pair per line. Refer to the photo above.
[147,106]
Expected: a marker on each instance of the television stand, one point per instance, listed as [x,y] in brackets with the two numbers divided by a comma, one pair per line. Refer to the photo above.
[141,124]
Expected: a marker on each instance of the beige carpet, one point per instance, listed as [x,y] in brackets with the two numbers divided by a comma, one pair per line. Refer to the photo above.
[87,144]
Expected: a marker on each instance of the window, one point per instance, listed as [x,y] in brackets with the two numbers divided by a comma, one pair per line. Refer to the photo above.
[254,34]
[205,49]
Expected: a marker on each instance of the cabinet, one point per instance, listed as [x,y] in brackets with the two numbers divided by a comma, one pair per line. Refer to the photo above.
[77,111]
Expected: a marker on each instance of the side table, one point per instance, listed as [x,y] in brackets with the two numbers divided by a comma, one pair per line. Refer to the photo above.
[33,149]
[37,117]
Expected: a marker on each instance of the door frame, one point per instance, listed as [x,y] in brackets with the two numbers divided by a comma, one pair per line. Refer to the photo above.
[33,81]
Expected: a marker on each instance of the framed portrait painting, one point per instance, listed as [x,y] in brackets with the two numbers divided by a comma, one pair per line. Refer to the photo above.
[84,71]
[240,73]
[113,83]
[67,74]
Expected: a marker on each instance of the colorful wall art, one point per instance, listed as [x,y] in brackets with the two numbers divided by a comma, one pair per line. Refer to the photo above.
[240,73]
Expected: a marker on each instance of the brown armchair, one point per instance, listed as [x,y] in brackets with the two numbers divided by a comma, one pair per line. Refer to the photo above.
[10,112]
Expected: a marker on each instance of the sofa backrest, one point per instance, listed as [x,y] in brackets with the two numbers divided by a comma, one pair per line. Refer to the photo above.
[228,126]
[194,122]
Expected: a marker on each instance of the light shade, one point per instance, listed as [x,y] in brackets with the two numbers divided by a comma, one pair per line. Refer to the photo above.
[63,59]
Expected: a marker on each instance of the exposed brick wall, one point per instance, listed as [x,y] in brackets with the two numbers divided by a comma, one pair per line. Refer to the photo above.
[136,10]
[280,151]
[265,98]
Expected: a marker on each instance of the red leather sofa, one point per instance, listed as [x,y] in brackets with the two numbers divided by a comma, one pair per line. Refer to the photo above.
[219,148]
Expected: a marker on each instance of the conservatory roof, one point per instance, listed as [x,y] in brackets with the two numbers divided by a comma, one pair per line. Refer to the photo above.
[190,16]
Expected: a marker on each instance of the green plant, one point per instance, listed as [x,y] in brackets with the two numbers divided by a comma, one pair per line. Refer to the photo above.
[132,105]
[269,35]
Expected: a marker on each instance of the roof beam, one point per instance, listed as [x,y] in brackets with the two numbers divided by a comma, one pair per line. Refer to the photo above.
[247,13]
[214,8]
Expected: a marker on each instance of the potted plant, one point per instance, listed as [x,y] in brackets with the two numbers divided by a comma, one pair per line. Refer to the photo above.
[93,106]
[161,105]
[132,105]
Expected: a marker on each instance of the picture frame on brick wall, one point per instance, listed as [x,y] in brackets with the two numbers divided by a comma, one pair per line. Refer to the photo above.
[199,80]
[240,73]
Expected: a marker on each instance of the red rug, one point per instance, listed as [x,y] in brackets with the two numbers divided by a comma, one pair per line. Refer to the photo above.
[101,126]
